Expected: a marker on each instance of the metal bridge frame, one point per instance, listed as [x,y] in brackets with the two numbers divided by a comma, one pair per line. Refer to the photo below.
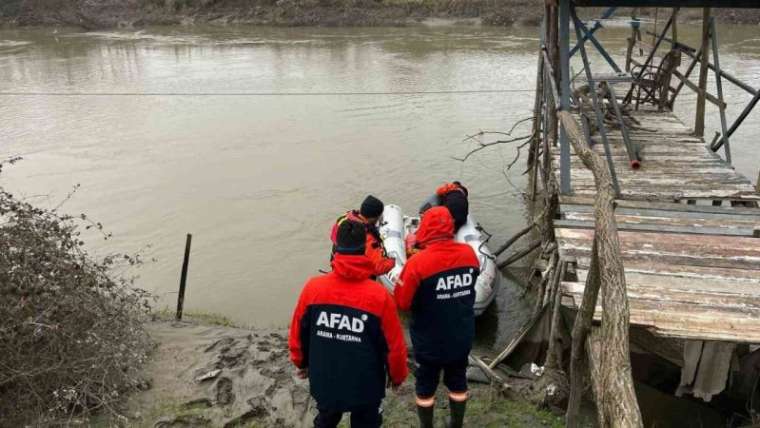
[557,49]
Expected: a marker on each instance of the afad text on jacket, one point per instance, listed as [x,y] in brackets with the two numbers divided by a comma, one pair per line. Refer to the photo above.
[346,331]
[438,285]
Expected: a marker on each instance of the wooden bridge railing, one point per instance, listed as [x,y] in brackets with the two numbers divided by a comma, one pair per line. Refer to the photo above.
[610,368]
[612,380]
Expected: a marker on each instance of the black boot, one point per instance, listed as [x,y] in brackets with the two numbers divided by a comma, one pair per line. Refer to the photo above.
[457,409]
[425,414]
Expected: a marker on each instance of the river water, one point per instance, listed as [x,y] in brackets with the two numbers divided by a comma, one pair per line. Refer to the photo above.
[255,139]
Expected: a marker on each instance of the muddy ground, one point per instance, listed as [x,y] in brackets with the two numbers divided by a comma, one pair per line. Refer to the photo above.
[221,376]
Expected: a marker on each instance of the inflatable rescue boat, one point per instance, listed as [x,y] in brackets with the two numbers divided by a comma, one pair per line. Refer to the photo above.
[395,227]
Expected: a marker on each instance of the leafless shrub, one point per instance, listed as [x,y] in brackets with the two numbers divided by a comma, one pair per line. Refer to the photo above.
[71,337]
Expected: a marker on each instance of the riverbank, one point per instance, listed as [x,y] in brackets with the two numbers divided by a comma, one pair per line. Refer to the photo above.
[217,375]
[103,14]
[106,14]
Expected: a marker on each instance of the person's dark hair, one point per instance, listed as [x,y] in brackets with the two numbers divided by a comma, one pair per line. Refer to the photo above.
[372,207]
[466,192]
[351,238]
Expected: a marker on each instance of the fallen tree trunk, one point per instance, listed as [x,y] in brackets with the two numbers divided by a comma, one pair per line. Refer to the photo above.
[616,397]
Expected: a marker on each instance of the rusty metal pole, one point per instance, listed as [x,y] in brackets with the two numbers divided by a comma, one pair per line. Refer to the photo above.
[674,29]
[183,278]
[699,122]
[564,93]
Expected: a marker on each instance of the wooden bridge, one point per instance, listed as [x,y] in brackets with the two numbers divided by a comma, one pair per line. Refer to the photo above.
[688,233]
[634,205]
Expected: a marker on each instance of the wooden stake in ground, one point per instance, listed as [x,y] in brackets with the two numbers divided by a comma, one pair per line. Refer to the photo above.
[616,399]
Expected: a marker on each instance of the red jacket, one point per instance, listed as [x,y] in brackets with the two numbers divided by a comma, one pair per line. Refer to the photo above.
[346,330]
[374,249]
[438,285]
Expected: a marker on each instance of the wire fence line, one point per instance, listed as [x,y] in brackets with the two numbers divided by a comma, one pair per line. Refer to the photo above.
[252,94]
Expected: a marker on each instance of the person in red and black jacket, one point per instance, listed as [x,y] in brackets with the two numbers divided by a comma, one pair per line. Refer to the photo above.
[346,336]
[368,214]
[437,284]
[454,197]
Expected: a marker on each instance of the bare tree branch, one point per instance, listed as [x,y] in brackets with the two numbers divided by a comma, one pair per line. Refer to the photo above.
[493,143]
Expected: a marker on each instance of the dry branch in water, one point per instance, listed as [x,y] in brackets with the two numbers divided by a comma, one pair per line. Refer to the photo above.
[482,145]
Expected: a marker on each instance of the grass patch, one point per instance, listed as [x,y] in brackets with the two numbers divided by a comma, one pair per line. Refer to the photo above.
[199,317]
[486,408]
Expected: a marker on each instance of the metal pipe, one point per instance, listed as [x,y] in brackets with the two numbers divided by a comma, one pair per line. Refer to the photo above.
[590,36]
[715,146]
[729,77]
[699,119]
[682,82]
[631,147]
[564,60]
[719,85]
[708,96]
[597,110]
[590,32]
[696,55]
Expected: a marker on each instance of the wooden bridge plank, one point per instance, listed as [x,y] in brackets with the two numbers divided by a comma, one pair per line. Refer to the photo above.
[693,271]
[671,318]
[681,249]
[573,200]
[727,215]
[662,228]
[727,283]
[736,275]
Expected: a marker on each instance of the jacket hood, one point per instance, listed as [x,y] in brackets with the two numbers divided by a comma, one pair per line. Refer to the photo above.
[352,267]
[436,225]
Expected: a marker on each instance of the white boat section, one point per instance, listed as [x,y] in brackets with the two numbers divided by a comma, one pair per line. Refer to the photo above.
[395,226]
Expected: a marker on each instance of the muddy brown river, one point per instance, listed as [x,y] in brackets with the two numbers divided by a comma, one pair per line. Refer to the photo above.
[255,139]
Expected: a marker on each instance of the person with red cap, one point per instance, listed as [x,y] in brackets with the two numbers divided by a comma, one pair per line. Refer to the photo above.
[437,285]
[346,337]
[454,197]
[369,214]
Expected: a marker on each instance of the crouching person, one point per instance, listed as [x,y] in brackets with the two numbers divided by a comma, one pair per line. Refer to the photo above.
[346,336]
[437,284]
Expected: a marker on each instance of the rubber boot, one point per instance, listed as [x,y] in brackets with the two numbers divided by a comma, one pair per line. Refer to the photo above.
[457,409]
[425,414]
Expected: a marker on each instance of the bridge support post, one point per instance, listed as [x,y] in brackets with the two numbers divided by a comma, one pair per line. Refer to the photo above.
[699,121]
[564,62]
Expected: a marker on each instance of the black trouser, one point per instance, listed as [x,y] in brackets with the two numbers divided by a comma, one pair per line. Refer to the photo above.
[428,375]
[361,417]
